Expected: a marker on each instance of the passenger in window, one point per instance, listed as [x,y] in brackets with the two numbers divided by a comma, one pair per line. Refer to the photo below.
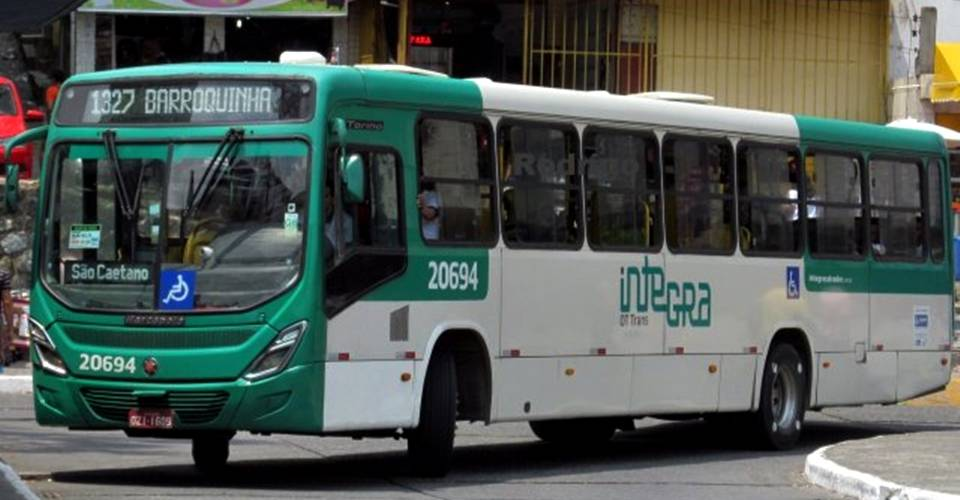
[428,202]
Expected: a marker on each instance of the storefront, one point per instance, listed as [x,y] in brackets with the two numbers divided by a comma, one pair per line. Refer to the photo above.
[120,33]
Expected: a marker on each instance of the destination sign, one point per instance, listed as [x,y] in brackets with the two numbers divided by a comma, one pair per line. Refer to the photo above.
[84,272]
[184,102]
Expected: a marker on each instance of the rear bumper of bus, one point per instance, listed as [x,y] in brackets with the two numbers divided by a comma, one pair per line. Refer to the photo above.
[291,401]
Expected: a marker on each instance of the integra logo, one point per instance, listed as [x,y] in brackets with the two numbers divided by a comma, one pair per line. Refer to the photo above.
[646,289]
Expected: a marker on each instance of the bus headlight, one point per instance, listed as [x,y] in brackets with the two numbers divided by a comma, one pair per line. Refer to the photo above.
[50,360]
[275,357]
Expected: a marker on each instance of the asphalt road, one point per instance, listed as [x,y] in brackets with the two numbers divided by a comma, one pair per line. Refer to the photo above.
[675,460]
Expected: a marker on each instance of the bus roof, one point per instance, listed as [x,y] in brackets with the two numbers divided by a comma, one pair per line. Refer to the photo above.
[634,110]
[481,94]
[826,132]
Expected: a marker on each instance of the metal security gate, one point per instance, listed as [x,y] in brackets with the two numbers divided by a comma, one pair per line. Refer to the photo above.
[591,44]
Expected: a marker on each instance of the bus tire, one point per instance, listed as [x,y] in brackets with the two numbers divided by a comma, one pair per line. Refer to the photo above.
[574,431]
[210,452]
[430,445]
[783,399]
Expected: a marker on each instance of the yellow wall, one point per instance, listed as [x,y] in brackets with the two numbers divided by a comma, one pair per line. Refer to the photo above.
[817,57]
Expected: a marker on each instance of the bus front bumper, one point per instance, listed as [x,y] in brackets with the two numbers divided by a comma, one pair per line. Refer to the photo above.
[291,401]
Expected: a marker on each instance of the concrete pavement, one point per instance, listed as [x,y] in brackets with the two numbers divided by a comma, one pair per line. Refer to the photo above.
[16,378]
[911,466]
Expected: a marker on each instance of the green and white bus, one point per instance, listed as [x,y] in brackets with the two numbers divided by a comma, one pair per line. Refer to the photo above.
[354,251]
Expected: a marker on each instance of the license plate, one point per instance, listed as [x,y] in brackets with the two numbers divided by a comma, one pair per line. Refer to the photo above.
[141,418]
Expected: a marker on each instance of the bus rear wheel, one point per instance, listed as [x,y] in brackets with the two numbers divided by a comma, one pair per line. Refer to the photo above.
[430,445]
[574,431]
[783,398]
[210,452]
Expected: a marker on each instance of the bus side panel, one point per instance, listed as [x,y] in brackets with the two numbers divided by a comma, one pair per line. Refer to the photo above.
[845,381]
[674,384]
[380,336]
[737,375]
[568,303]
[589,311]
[526,389]
[901,322]
[593,380]
[367,395]
[921,372]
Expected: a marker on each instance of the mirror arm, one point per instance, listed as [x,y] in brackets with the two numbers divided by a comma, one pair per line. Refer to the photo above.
[34,134]
[11,195]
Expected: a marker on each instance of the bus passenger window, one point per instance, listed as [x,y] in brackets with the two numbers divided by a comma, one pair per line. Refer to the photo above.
[935,209]
[768,186]
[456,193]
[623,190]
[896,223]
[698,182]
[834,205]
[540,185]
[366,247]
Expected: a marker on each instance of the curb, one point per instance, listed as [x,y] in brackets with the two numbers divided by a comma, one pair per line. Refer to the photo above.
[826,473]
[16,485]
[16,384]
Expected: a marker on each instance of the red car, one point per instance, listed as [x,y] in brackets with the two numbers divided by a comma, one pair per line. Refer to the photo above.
[13,120]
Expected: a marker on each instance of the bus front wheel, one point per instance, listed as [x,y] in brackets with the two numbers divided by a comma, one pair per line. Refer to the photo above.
[210,452]
[783,398]
[430,445]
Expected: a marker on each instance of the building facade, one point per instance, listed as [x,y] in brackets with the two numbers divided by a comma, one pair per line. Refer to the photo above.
[109,34]
[818,57]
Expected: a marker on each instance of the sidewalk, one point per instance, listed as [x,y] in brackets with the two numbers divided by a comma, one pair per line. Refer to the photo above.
[913,466]
[17,378]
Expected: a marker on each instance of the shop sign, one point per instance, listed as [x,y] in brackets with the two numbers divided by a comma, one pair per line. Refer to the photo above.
[298,8]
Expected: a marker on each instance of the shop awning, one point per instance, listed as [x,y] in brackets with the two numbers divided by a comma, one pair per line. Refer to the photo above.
[946,74]
[25,16]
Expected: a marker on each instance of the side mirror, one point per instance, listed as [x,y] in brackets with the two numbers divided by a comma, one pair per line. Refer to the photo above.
[11,190]
[34,115]
[354,179]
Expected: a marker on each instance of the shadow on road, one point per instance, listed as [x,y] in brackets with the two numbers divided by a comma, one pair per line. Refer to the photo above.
[694,442]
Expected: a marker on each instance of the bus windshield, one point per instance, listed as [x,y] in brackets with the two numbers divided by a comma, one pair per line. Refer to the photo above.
[189,226]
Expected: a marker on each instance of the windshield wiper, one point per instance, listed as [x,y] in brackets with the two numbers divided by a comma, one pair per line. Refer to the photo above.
[110,144]
[215,170]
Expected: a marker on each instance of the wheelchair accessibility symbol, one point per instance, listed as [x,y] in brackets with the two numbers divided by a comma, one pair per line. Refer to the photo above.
[177,287]
[793,282]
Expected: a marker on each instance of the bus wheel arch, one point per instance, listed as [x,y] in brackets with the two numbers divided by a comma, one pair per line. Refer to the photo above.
[473,371]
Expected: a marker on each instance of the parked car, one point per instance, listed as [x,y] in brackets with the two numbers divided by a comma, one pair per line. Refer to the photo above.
[13,120]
